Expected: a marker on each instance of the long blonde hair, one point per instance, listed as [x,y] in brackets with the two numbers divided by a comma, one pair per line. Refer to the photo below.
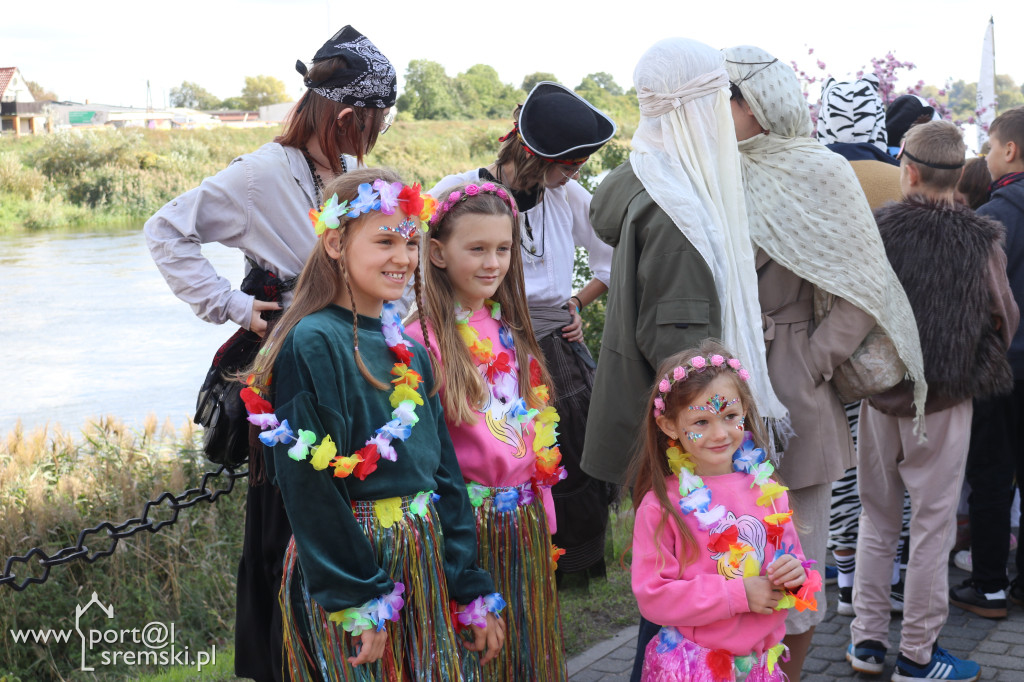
[464,385]
[649,467]
[321,280]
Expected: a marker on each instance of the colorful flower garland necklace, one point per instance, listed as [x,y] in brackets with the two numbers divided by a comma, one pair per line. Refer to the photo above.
[497,372]
[695,496]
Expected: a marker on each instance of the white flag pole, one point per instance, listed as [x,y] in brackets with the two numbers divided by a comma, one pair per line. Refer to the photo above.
[986,105]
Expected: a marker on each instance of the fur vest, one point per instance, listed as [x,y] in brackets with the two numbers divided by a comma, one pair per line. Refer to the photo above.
[941,255]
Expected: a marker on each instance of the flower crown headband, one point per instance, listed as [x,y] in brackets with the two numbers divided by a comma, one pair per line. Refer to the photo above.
[697,364]
[468,191]
[381,196]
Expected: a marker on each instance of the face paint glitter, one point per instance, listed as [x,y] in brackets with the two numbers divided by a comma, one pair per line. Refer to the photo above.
[716,405]
[405,228]
[693,437]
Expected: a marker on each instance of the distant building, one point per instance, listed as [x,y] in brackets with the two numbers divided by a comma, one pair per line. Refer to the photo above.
[20,113]
[75,116]
[276,113]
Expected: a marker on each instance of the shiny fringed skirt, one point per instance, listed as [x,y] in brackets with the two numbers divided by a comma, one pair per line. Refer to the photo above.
[670,657]
[421,644]
[515,548]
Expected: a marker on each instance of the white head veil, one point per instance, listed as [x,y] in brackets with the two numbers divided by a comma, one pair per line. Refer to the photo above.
[807,211]
[685,154]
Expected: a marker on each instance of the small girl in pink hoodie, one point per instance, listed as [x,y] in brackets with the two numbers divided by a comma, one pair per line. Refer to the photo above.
[716,559]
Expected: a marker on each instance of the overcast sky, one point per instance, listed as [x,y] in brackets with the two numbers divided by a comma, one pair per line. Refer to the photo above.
[106,52]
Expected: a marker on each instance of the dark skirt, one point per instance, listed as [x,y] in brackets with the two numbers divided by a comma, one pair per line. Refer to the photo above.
[258,613]
[581,502]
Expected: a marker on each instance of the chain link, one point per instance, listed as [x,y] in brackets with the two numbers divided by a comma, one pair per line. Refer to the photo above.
[107,531]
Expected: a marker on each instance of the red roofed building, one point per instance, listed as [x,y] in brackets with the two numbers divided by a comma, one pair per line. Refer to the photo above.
[20,113]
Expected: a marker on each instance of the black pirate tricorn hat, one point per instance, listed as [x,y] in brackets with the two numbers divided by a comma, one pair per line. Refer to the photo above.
[557,124]
[367,80]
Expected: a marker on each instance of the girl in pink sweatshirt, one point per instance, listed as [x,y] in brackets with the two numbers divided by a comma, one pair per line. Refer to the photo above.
[494,388]
[716,559]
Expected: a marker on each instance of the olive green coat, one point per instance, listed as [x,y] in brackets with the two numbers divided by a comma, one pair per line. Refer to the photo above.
[661,300]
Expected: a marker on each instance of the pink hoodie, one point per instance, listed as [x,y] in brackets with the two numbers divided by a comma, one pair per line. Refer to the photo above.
[702,603]
[495,452]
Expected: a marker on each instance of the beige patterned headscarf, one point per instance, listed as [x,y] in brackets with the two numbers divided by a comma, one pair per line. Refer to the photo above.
[807,211]
[684,153]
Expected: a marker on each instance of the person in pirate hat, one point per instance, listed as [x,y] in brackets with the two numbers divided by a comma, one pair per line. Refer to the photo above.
[351,89]
[554,132]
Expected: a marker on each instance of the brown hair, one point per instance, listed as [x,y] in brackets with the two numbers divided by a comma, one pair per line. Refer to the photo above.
[317,115]
[464,386]
[974,182]
[321,280]
[1009,127]
[528,170]
[938,142]
[649,467]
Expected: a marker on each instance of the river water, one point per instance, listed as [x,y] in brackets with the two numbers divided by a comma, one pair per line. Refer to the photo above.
[89,328]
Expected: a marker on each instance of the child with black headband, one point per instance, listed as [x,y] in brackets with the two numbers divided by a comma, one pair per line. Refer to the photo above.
[952,266]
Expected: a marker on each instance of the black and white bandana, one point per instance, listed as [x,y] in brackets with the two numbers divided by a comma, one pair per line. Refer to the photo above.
[368,80]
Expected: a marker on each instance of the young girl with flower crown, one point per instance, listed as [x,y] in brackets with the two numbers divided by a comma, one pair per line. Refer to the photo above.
[716,559]
[494,388]
[383,527]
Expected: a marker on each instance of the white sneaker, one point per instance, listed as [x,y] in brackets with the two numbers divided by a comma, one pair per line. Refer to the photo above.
[962,560]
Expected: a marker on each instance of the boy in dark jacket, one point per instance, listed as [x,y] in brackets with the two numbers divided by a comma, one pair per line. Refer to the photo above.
[952,267]
[996,451]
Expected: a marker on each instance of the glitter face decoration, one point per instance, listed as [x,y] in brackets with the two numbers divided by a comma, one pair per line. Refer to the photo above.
[716,405]
[743,421]
[693,437]
[406,228]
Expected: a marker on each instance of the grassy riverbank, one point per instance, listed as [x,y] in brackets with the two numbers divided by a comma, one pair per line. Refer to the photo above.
[89,178]
[55,484]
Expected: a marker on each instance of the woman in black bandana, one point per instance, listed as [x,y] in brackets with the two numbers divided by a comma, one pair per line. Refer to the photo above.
[260,204]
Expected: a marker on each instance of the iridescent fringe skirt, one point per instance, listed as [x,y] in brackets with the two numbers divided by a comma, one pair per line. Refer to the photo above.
[515,548]
[670,657]
[421,644]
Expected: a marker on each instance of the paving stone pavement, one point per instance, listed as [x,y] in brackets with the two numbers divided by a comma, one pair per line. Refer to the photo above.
[996,645]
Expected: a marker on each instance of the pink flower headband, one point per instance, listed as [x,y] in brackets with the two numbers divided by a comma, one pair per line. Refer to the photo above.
[471,191]
[697,364]
[381,196]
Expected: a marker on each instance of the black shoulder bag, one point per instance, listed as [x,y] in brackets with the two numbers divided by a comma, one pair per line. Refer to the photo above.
[219,407]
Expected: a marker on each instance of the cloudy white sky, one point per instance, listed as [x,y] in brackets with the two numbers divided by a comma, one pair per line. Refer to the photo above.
[106,52]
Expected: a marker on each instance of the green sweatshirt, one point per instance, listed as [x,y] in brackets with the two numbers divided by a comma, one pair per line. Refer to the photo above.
[318,387]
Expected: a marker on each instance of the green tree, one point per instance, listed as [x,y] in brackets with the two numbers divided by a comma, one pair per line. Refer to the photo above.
[39,92]
[236,103]
[483,95]
[430,93]
[263,90]
[603,80]
[193,96]
[1008,94]
[537,77]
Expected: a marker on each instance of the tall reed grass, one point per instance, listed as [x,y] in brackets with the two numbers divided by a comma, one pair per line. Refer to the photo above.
[55,484]
[94,177]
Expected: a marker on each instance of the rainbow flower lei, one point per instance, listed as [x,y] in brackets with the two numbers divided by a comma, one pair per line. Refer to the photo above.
[696,499]
[404,398]
[381,196]
[496,369]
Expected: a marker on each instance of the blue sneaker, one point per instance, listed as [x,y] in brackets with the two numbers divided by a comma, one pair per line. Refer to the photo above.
[831,575]
[866,657]
[943,666]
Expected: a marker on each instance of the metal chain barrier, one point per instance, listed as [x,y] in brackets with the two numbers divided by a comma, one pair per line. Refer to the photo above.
[109,533]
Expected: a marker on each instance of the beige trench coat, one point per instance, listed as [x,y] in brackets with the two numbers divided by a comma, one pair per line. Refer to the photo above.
[801,359]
